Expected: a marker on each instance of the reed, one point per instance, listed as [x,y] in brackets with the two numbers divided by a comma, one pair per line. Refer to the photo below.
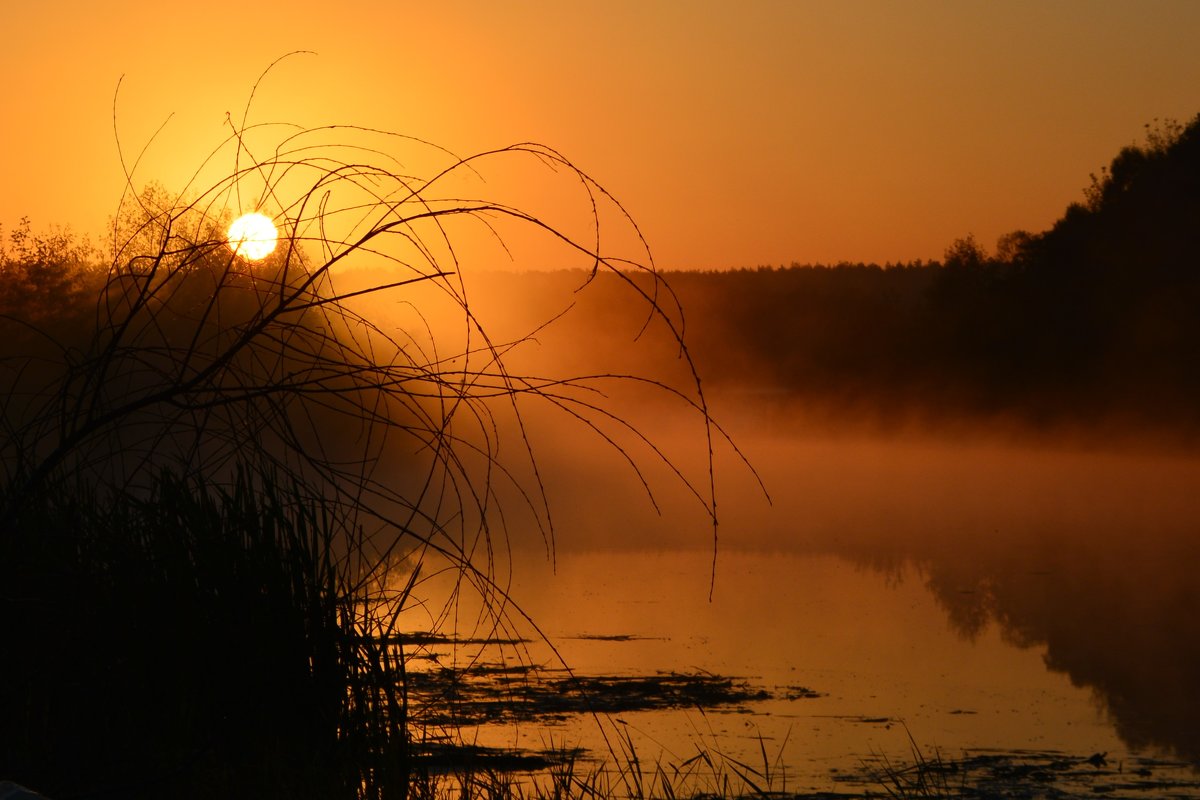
[221,485]
[923,776]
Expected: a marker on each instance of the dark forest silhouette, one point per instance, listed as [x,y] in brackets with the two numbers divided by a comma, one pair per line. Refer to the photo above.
[1093,320]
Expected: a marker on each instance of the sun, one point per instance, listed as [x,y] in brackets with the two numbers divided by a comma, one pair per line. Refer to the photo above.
[252,236]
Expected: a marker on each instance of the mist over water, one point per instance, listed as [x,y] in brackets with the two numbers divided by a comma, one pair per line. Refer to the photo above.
[1070,545]
[1084,557]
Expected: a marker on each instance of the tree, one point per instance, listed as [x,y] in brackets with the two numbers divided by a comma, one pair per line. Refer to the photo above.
[965,253]
[1012,246]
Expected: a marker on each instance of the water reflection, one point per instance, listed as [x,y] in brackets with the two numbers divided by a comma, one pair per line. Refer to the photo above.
[1122,618]
[1083,558]
[1090,555]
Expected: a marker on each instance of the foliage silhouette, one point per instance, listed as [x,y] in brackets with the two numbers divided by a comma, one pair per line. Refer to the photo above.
[221,486]
[1089,323]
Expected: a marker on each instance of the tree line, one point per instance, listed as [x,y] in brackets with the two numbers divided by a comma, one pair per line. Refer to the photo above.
[1093,319]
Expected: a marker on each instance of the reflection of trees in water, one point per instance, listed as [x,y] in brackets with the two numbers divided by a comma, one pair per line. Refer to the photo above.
[1119,618]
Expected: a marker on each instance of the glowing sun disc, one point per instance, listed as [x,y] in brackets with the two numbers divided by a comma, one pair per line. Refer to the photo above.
[252,236]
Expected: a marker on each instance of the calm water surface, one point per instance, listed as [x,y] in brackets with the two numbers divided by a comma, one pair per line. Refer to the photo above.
[980,597]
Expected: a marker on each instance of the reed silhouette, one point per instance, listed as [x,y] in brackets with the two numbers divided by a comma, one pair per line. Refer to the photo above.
[221,486]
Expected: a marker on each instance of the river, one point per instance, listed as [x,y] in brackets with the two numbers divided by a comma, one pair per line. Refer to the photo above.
[974,599]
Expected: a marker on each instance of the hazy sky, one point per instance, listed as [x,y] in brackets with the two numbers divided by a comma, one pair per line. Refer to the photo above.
[736,134]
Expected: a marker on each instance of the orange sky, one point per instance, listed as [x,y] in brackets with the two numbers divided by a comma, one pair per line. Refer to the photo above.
[736,134]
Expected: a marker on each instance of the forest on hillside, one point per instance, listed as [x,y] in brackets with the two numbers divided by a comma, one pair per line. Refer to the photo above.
[1094,320]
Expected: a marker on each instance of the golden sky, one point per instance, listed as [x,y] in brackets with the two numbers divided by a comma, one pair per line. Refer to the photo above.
[736,134]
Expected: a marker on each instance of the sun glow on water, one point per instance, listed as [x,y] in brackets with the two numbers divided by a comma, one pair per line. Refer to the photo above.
[252,236]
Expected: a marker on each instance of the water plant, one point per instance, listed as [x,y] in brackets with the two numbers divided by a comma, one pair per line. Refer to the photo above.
[221,483]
